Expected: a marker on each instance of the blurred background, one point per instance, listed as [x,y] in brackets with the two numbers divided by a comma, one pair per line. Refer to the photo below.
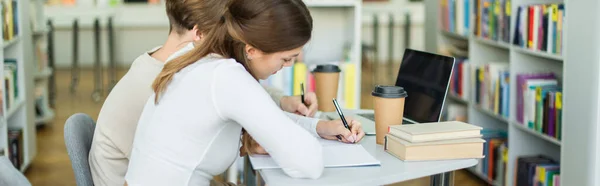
[62,57]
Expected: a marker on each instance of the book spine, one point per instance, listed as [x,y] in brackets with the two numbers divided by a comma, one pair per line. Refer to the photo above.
[558,107]
[349,85]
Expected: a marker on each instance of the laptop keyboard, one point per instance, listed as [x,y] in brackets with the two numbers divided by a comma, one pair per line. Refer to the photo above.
[372,118]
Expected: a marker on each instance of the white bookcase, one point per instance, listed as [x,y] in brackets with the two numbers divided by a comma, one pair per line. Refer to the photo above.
[20,113]
[42,70]
[577,71]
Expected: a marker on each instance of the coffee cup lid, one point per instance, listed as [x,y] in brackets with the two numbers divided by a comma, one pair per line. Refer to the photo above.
[327,68]
[389,92]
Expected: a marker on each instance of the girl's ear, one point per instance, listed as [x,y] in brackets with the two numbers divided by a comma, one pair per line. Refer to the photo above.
[198,35]
[251,52]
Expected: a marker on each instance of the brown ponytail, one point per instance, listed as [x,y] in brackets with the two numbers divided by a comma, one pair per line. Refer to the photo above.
[268,25]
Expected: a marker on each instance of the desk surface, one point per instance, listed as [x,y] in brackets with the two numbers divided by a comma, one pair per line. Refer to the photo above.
[392,170]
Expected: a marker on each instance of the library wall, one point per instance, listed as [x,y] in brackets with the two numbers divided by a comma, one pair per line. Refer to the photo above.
[397,9]
[132,38]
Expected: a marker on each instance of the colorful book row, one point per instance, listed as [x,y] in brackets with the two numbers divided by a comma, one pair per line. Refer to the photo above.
[539,103]
[495,150]
[537,170]
[454,16]
[289,80]
[492,19]
[492,87]
[540,27]
[459,83]
[11,90]
[15,147]
[10,19]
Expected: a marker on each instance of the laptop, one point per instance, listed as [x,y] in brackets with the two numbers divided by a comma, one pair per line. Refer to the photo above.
[425,77]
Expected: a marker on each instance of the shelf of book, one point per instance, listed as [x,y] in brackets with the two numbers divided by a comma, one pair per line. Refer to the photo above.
[490,113]
[499,44]
[11,42]
[19,131]
[481,176]
[537,134]
[15,107]
[519,45]
[536,53]
[454,35]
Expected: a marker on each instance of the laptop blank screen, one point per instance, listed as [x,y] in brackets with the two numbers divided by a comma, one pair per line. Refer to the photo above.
[425,77]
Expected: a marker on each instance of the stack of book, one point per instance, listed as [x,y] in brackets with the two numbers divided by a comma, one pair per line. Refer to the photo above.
[454,16]
[10,28]
[11,80]
[492,19]
[539,103]
[540,27]
[459,81]
[434,141]
[537,170]
[493,165]
[15,147]
[492,87]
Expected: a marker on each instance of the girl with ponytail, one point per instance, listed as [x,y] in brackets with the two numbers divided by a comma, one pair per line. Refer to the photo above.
[190,128]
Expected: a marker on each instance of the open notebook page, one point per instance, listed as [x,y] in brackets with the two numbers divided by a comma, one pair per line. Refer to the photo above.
[335,154]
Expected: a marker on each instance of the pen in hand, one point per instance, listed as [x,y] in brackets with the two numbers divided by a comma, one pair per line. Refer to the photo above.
[302,93]
[339,111]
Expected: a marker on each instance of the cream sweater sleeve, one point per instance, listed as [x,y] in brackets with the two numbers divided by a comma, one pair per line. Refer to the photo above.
[239,97]
[275,94]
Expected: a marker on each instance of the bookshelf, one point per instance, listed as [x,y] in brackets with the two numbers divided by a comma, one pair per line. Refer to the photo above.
[42,73]
[499,47]
[17,128]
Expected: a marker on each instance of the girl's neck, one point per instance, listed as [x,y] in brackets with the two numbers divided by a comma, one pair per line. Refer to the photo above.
[174,43]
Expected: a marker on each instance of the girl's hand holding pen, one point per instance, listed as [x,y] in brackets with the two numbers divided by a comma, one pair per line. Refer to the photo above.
[294,104]
[331,129]
[326,130]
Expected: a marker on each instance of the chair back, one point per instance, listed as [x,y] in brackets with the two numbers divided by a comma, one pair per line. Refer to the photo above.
[9,175]
[79,131]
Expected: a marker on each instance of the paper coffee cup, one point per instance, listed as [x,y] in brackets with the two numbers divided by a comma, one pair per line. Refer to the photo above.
[326,86]
[389,109]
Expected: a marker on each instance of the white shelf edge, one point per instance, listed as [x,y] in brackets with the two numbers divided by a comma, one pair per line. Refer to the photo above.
[331,3]
[454,35]
[535,133]
[482,177]
[537,53]
[43,74]
[16,105]
[46,118]
[490,113]
[25,165]
[11,42]
[498,44]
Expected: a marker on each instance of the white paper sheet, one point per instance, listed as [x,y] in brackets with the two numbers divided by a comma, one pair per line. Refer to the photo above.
[335,154]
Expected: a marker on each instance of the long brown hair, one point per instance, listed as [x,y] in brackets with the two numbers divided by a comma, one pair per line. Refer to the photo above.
[268,25]
[185,14]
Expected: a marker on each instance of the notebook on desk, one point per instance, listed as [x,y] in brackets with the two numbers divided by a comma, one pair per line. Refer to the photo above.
[335,154]
[426,78]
